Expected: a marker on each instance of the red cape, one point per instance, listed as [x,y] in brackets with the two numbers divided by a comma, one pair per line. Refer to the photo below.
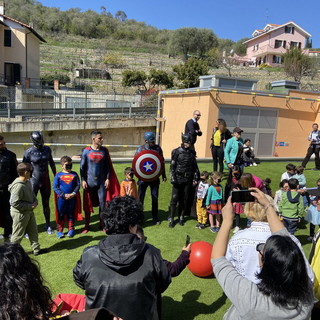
[77,209]
[112,192]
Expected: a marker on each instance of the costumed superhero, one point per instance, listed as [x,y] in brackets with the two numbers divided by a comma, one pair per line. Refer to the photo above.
[66,186]
[99,181]
[150,138]
[8,172]
[39,156]
[184,173]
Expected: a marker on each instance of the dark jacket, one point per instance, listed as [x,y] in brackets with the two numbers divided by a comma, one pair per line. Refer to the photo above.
[8,167]
[224,136]
[124,275]
[192,127]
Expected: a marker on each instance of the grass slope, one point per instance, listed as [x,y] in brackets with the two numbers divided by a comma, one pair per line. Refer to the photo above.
[188,297]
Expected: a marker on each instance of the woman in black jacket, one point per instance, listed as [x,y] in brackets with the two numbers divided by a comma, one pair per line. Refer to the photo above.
[219,139]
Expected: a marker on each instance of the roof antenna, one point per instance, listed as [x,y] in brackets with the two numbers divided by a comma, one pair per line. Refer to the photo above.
[267,16]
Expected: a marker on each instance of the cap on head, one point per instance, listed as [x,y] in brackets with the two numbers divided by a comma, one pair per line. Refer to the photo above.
[237,129]
[149,136]
[37,138]
[186,138]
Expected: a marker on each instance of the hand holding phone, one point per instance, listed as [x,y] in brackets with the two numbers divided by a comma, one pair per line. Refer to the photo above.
[187,240]
[242,196]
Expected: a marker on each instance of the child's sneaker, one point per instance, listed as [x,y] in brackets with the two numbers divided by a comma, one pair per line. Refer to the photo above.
[70,233]
[217,229]
[254,164]
[213,229]
[198,226]
[202,226]
[60,235]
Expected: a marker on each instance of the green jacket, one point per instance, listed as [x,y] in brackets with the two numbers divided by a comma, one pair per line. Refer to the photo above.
[289,209]
[22,197]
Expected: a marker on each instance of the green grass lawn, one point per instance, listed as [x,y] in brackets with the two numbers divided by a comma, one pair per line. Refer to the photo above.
[188,296]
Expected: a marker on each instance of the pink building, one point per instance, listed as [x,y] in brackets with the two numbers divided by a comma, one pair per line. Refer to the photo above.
[269,44]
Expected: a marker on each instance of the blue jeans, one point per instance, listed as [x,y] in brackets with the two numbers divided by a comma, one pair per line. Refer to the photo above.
[291,225]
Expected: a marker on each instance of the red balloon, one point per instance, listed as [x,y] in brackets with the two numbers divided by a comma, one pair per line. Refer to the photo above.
[200,256]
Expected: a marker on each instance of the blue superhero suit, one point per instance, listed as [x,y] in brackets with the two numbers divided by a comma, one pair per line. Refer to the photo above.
[39,158]
[66,183]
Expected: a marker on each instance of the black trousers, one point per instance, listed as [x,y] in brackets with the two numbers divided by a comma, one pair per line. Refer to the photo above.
[180,195]
[154,187]
[312,150]
[6,220]
[217,157]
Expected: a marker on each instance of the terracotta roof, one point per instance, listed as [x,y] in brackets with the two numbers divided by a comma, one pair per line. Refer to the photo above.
[24,25]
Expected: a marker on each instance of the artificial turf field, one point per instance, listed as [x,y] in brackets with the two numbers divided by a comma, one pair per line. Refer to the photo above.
[188,297]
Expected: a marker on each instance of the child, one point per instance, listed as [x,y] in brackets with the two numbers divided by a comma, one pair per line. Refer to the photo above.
[291,206]
[202,190]
[214,201]
[291,170]
[300,177]
[128,186]
[66,185]
[313,216]
[284,187]
[23,201]
[233,183]
[247,154]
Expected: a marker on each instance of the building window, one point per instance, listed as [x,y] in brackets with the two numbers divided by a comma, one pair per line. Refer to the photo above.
[280,43]
[7,38]
[256,47]
[295,44]
[289,29]
[277,59]
[259,125]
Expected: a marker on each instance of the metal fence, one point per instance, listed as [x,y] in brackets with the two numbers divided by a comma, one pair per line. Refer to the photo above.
[26,104]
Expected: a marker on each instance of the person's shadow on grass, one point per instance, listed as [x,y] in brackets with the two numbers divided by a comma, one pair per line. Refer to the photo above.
[189,307]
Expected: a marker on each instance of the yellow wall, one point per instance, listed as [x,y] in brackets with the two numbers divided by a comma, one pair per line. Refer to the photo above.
[295,118]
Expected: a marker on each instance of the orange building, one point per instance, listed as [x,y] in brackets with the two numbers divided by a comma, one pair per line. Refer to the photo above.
[277,124]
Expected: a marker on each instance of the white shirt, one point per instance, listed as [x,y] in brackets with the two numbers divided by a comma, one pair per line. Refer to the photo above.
[202,189]
[242,253]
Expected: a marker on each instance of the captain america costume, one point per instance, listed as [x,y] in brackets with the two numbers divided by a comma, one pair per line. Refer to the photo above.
[39,158]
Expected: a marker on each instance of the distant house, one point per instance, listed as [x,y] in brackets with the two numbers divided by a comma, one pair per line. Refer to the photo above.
[19,52]
[269,44]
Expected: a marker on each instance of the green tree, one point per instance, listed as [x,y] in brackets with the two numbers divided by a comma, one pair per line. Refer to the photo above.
[113,59]
[297,65]
[188,73]
[239,48]
[160,78]
[134,78]
[206,40]
[121,15]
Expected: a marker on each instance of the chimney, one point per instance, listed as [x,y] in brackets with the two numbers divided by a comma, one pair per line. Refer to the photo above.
[1,10]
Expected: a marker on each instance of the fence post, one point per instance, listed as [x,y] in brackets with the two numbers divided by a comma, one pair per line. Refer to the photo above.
[130,110]
[9,112]
[73,111]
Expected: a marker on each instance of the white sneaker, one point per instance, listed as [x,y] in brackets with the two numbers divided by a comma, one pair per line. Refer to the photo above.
[254,164]
[236,229]
[250,164]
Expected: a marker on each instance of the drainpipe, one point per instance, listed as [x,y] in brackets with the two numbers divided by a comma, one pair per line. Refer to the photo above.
[26,76]
[158,122]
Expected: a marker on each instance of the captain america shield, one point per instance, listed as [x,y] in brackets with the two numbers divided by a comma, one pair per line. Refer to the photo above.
[147,165]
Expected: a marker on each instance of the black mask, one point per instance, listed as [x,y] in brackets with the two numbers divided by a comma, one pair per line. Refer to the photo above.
[131,175]
[219,180]
[68,166]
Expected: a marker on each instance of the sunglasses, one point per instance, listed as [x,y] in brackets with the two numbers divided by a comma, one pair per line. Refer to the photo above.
[260,247]
[198,115]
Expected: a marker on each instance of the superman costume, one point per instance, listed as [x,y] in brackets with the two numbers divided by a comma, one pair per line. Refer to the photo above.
[67,210]
[95,168]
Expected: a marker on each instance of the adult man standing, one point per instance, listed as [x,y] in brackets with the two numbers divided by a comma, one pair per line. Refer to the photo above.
[123,273]
[150,138]
[39,156]
[314,147]
[97,176]
[8,172]
[184,173]
[192,127]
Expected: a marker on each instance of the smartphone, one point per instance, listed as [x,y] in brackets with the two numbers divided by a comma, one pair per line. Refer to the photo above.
[187,240]
[242,196]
